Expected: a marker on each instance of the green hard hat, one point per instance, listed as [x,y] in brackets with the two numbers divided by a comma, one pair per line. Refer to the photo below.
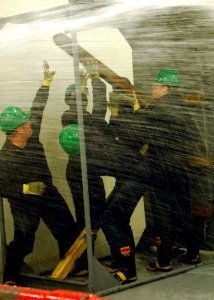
[167,77]
[69,89]
[13,117]
[69,139]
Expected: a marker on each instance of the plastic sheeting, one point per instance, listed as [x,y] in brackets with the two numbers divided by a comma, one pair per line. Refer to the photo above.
[132,40]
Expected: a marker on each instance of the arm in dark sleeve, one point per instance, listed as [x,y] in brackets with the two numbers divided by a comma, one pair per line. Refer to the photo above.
[70,116]
[38,107]
[99,99]
[146,118]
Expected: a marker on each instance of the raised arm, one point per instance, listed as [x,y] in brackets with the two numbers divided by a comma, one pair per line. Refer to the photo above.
[40,100]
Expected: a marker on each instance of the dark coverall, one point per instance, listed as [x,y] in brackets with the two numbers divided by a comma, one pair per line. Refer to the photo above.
[21,166]
[94,130]
[131,172]
[172,136]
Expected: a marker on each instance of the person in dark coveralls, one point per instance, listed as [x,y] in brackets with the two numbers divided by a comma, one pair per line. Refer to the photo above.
[128,164]
[73,169]
[94,127]
[26,182]
[155,144]
[173,138]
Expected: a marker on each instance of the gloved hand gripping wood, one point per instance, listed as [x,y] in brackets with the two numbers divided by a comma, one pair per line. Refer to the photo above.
[34,188]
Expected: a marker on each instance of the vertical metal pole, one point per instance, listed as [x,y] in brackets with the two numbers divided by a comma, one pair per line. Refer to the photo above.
[3,235]
[83,159]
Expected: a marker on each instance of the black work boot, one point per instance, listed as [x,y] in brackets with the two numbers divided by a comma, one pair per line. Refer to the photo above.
[190,258]
[156,266]
[127,268]
[163,263]
[112,266]
[125,276]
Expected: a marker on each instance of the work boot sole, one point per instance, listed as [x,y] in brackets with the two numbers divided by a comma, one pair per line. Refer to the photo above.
[191,261]
[123,279]
[156,267]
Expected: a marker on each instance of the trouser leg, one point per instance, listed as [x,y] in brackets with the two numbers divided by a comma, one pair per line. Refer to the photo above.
[57,216]
[97,199]
[163,225]
[182,215]
[115,223]
[74,178]
[26,222]
[172,212]
[96,193]
[147,238]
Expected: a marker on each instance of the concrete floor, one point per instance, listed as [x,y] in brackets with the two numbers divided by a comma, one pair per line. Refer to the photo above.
[185,282]
[197,283]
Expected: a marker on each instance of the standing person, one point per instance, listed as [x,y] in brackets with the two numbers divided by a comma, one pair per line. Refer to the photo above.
[26,182]
[73,169]
[94,124]
[172,138]
[155,145]
[128,164]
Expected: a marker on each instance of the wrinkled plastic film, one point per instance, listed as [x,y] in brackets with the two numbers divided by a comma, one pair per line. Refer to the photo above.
[130,43]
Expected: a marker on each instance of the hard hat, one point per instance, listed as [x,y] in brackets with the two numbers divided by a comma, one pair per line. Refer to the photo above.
[69,90]
[13,117]
[167,77]
[69,139]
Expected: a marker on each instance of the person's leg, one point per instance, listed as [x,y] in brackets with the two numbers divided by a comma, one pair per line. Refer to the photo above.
[26,222]
[97,207]
[183,219]
[163,230]
[74,179]
[117,230]
[57,216]
[146,242]
[97,199]
[162,203]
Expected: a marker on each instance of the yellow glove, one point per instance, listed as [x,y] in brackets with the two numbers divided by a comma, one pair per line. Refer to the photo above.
[144,149]
[48,76]
[34,188]
[92,67]
[135,103]
[114,103]
[199,161]
[83,82]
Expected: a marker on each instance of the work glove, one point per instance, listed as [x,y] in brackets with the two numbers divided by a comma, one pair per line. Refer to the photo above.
[114,103]
[83,82]
[144,149]
[199,161]
[135,102]
[92,67]
[34,188]
[202,211]
[48,76]
[128,99]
